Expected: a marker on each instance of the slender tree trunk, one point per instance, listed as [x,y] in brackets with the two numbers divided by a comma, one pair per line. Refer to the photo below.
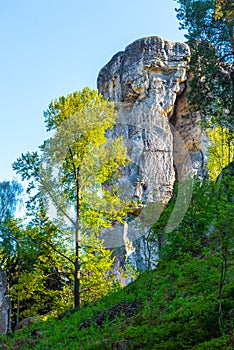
[77,279]
[77,245]
[18,282]
[223,273]
[222,146]
[76,173]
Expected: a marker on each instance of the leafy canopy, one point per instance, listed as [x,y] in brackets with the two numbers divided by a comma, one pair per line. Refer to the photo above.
[76,173]
[79,157]
[10,195]
[210,27]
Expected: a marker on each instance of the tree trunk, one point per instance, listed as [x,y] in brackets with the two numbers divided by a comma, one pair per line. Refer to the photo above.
[77,243]
[77,277]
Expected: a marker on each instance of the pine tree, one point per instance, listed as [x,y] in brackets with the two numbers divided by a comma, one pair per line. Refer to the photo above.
[210,26]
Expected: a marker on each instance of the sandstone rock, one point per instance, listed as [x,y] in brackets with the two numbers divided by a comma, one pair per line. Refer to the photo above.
[147,83]
[144,82]
[4,305]
[195,140]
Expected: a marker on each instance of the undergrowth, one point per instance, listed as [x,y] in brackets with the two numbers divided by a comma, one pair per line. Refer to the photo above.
[179,310]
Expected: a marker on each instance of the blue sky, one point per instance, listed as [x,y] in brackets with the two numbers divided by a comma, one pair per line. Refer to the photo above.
[51,48]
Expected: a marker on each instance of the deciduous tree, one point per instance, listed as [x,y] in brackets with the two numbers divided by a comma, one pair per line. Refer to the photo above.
[77,166]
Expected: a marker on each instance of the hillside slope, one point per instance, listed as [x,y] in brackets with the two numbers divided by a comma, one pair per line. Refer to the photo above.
[176,306]
[186,302]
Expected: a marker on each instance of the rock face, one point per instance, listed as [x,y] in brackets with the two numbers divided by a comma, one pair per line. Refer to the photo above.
[194,138]
[145,82]
[4,306]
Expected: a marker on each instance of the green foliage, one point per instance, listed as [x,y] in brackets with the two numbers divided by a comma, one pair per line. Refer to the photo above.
[204,21]
[38,277]
[75,174]
[85,102]
[220,152]
[78,157]
[183,313]
[97,279]
[10,235]
[39,269]
[84,159]
[10,195]
[187,300]
[210,26]
[190,235]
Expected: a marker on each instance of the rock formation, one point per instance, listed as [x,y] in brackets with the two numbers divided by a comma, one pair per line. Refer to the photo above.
[194,138]
[144,82]
[4,305]
[147,83]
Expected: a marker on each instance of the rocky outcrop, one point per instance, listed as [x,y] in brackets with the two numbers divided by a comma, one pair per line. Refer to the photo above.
[195,140]
[147,83]
[144,82]
[4,305]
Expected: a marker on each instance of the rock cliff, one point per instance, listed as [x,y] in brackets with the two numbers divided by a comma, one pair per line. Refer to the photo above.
[4,306]
[147,83]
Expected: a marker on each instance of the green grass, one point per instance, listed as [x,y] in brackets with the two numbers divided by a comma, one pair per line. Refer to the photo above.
[179,310]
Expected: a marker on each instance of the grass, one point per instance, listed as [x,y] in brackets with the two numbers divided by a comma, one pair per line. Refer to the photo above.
[179,310]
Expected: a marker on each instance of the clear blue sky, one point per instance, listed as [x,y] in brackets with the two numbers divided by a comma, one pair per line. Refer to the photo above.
[51,48]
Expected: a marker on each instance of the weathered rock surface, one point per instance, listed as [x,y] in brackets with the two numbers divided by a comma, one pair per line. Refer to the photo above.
[4,305]
[195,140]
[146,82]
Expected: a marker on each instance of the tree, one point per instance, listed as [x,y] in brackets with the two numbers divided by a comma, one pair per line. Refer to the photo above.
[39,278]
[210,26]
[224,9]
[97,279]
[78,167]
[45,278]
[190,236]
[220,152]
[209,21]
[10,193]
[224,228]
[10,196]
